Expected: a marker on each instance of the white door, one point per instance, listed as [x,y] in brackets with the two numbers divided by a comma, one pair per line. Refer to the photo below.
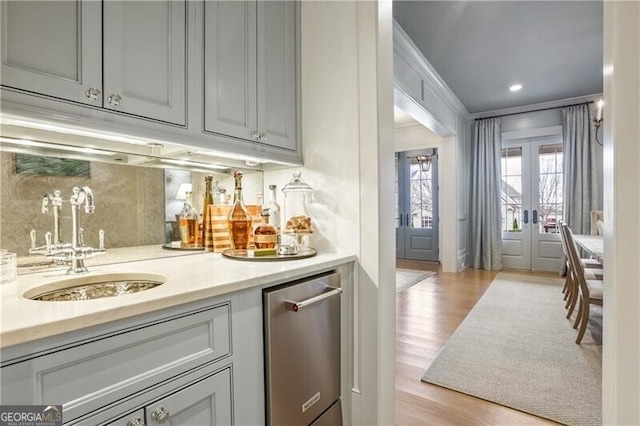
[417,207]
[145,59]
[531,197]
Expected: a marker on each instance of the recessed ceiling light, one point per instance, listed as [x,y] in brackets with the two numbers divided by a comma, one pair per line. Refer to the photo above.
[515,87]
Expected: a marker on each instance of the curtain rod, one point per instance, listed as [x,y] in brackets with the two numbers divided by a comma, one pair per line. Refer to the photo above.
[535,110]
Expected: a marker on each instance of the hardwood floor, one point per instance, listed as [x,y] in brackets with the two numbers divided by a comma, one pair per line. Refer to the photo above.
[427,315]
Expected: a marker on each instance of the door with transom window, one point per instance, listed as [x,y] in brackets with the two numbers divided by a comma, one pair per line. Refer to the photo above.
[531,203]
[417,205]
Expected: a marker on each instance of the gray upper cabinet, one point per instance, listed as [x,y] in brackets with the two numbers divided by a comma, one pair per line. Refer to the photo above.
[277,73]
[230,68]
[124,56]
[145,58]
[250,71]
[53,48]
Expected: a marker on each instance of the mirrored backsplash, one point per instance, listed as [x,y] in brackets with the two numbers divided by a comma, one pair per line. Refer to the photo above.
[135,205]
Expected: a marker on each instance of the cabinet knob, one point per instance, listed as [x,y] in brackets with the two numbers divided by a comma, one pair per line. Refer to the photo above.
[136,421]
[160,415]
[262,137]
[255,135]
[114,100]
[93,93]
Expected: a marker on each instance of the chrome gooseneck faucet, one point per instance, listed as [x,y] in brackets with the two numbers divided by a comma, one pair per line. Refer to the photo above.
[76,252]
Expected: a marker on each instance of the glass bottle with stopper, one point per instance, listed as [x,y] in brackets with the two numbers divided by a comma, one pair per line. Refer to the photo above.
[239,219]
[297,197]
[188,223]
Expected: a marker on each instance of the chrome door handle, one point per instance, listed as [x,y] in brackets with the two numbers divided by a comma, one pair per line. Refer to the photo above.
[407,221]
[114,100]
[160,415]
[296,306]
[136,421]
[400,220]
[93,93]
[526,216]
[535,216]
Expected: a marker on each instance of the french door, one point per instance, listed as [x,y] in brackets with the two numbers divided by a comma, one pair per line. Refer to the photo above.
[417,205]
[531,202]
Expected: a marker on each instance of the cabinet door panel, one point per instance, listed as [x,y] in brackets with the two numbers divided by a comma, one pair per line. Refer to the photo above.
[277,73]
[52,48]
[230,68]
[145,58]
[207,402]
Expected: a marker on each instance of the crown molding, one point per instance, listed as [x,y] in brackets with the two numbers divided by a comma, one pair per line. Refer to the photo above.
[403,43]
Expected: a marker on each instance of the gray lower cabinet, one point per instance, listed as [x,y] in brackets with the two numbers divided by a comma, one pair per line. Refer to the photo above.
[180,363]
[206,402]
[123,56]
[250,71]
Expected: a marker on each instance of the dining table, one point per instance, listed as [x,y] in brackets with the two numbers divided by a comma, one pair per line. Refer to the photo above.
[593,244]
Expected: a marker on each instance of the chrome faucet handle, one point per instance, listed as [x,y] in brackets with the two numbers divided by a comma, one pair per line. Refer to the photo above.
[47,238]
[32,234]
[56,199]
[89,207]
[45,204]
[101,237]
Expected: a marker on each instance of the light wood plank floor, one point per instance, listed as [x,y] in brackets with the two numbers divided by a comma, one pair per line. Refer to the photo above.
[427,315]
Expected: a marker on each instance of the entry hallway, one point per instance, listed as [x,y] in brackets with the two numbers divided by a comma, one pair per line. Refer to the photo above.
[427,314]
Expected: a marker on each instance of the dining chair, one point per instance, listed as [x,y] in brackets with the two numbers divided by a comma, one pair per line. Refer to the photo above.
[592,271]
[589,291]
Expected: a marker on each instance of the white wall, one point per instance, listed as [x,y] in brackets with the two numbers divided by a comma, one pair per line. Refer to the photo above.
[621,327]
[443,114]
[347,140]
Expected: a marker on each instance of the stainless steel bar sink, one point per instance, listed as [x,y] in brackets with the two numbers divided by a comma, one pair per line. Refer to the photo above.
[90,287]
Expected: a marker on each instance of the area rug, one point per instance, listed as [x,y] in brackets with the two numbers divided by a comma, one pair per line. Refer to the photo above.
[405,278]
[517,349]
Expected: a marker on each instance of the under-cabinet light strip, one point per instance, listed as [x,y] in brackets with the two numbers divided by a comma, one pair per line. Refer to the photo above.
[35,144]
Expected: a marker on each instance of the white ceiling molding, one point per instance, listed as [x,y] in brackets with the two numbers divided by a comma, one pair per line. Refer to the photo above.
[404,44]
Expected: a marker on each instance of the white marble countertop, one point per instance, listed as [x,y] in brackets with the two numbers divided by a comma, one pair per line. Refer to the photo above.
[189,278]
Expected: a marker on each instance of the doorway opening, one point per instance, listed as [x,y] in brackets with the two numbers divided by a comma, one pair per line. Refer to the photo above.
[416,205]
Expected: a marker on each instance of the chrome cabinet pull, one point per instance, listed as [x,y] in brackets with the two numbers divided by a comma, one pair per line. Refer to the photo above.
[535,216]
[114,100]
[296,306]
[136,421]
[160,415]
[526,217]
[93,93]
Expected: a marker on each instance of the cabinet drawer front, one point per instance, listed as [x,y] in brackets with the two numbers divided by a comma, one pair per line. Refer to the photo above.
[92,375]
[206,402]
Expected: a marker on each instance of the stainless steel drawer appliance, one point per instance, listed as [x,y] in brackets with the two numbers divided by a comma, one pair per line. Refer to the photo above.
[302,352]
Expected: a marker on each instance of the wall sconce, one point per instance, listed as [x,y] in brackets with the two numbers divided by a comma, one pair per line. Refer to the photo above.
[182,191]
[424,161]
[597,122]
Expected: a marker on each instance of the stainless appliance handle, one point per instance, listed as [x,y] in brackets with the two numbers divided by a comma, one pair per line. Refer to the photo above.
[296,306]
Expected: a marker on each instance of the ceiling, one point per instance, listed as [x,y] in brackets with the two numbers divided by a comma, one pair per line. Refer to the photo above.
[481,48]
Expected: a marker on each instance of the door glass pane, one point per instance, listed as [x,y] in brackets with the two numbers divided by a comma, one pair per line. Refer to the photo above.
[421,196]
[511,189]
[550,187]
